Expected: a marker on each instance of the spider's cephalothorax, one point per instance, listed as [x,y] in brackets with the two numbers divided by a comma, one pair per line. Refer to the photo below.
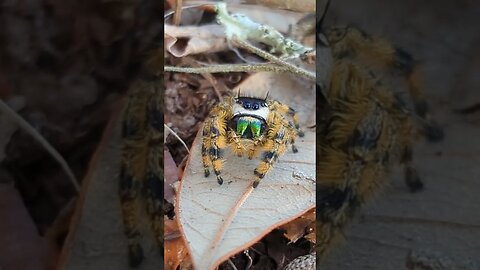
[249,117]
[249,125]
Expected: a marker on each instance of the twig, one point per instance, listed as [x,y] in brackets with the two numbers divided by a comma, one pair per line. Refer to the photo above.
[39,138]
[265,55]
[178,137]
[232,265]
[209,77]
[171,12]
[242,27]
[229,68]
[178,12]
[250,261]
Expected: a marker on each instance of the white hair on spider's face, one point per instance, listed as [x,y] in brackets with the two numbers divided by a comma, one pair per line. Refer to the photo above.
[239,109]
[251,105]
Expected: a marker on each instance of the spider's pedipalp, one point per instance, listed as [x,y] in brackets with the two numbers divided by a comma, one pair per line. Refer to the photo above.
[237,147]
[254,147]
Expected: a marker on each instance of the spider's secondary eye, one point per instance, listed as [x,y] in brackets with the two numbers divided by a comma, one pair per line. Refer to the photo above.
[238,101]
[264,104]
[255,106]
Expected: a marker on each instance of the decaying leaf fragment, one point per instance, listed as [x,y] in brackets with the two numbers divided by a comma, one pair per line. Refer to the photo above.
[304,226]
[176,253]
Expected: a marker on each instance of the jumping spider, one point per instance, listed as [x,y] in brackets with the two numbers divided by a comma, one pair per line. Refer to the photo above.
[248,124]
[366,126]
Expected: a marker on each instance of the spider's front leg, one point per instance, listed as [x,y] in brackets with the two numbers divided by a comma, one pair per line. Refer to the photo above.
[215,139]
[275,145]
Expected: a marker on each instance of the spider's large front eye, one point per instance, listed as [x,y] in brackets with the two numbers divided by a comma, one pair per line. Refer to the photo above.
[255,106]
[247,105]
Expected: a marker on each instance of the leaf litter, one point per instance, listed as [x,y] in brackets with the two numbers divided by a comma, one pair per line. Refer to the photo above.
[189,98]
[219,221]
[68,62]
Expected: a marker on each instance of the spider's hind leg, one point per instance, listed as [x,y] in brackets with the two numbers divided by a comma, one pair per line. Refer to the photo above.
[215,139]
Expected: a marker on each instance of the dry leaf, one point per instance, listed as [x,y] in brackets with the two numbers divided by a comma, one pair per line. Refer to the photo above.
[185,40]
[300,227]
[22,247]
[281,20]
[294,5]
[218,221]
[96,238]
[9,126]
[170,173]
[176,253]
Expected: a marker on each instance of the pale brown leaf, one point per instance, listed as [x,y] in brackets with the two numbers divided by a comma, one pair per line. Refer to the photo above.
[186,40]
[221,220]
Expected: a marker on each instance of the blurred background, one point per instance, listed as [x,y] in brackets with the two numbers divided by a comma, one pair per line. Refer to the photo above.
[440,223]
[63,64]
